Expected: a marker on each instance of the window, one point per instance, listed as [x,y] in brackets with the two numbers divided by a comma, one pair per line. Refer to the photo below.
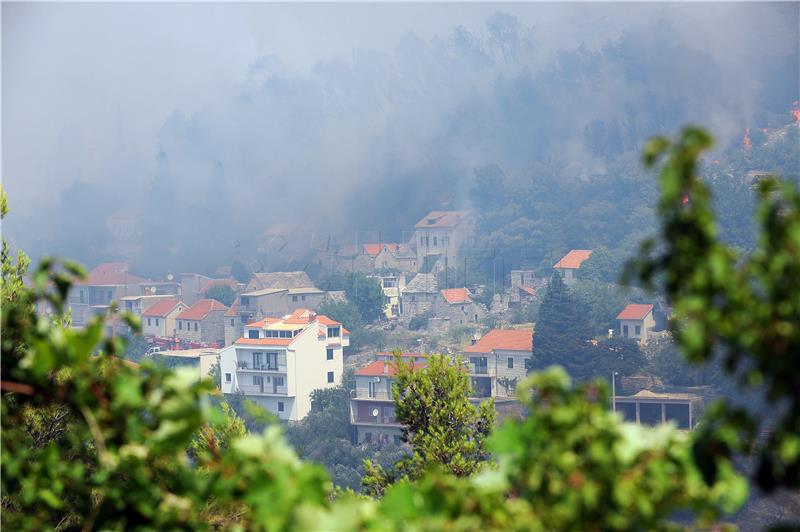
[180,325]
[294,298]
[156,322]
[195,326]
[280,406]
[272,361]
[329,354]
[258,380]
[638,330]
[82,296]
[330,376]
[278,381]
[371,389]
[303,298]
[258,360]
[510,362]
[252,333]
[397,440]
[148,322]
[227,377]
[434,241]
[388,414]
[367,437]
[232,322]
[333,332]
[624,330]
[245,301]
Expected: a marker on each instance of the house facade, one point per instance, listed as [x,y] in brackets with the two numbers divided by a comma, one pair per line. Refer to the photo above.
[280,361]
[159,320]
[372,406]
[203,322]
[497,361]
[455,305]
[570,263]
[392,286]
[636,322]
[106,283]
[440,235]
[419,296]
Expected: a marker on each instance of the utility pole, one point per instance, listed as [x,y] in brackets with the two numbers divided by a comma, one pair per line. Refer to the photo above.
[614,392]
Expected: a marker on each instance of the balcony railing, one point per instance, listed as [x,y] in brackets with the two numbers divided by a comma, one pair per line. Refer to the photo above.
[381,395]
[476,369]
[267,389]
[379,420]
[241,364]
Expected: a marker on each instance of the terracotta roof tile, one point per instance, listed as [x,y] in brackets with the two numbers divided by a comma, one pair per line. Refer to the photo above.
[201,309]
[635,312]
[456,295]
[504,339]
[264,341]
[161,308]
[573,259]
[232,311]
[374,249]
[111,273]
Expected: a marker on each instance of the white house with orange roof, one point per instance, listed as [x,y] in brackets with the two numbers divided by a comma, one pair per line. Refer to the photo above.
[570,263]
[280,361]
[440,235]
[203,322]
[497,361]
[636,321]
[371,403]
[159,320]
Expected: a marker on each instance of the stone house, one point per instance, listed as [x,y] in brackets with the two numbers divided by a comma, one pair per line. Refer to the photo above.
[419,295]
[497,361]
[456,306]
[203,322]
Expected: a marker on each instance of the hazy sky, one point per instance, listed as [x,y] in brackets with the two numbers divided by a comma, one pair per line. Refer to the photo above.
[93,92]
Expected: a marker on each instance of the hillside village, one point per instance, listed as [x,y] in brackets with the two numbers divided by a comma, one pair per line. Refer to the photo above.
[271,342]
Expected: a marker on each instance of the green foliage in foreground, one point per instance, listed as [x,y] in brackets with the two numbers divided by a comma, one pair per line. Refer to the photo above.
[439,423]
[124,460]
[743,309]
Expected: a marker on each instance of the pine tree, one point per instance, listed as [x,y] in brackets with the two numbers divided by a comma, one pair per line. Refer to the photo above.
[563,331]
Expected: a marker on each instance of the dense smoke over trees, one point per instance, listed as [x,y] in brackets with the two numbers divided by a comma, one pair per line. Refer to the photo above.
[372,141]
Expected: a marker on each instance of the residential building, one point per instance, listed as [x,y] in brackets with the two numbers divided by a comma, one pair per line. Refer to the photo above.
[439,236]
[523,287]
[419,296]
[138,304]
[106,283]
[397,257]
[637,322]
[203,322]
[234,327]
[254,305]
[194,286]
[570,263]
[392,286]
[159,320]
[455,305]
[497,361]
[280,361]
[371,404]
[202,360]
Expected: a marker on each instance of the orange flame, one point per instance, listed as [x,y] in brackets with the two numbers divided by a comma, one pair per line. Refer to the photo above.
[746,142]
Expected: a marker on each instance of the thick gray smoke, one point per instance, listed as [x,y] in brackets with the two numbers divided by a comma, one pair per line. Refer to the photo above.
[183,137]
